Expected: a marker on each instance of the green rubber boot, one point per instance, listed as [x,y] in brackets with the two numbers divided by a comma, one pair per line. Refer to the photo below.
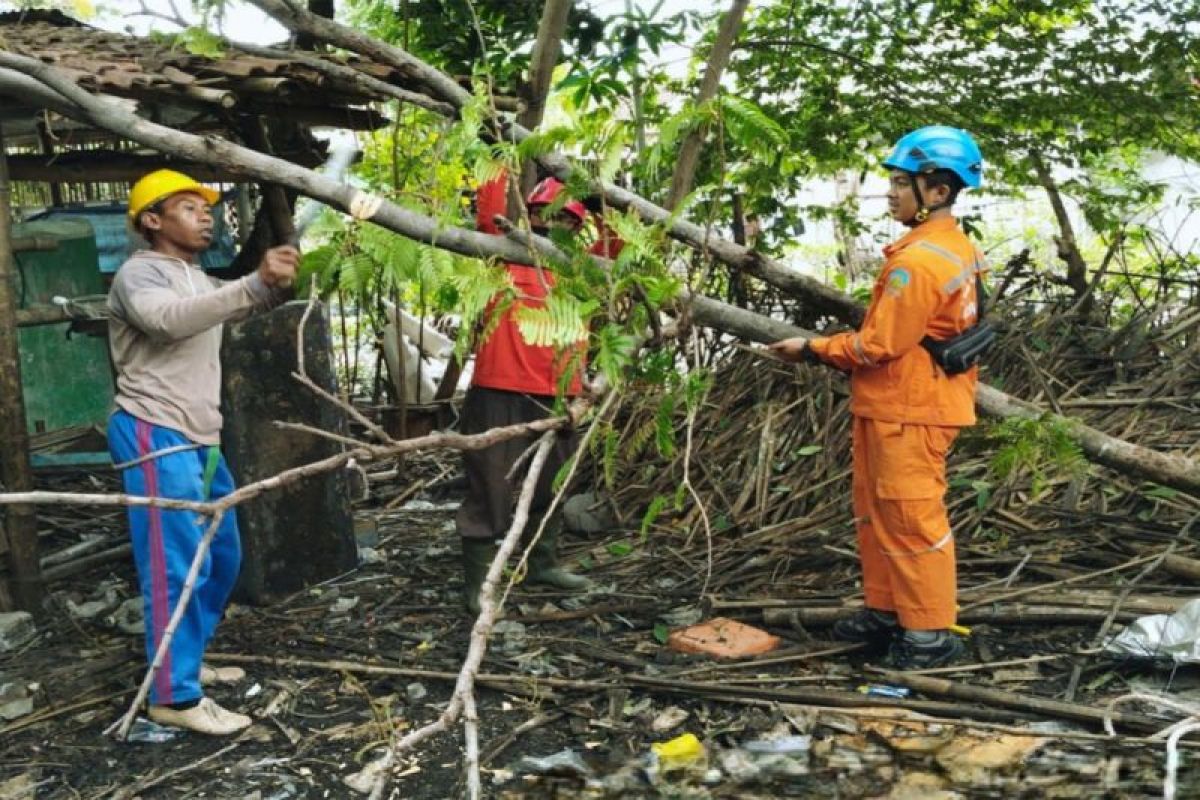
[477,558]
[543,563]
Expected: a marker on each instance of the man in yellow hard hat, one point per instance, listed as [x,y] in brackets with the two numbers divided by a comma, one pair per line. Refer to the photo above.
[165,319]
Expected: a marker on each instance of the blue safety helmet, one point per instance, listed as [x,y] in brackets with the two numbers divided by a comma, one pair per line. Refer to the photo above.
[939,147]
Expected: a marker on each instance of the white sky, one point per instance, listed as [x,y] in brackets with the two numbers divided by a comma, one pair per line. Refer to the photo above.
[247,23]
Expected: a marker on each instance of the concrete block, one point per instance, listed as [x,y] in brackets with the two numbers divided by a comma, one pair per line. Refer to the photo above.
[304,533]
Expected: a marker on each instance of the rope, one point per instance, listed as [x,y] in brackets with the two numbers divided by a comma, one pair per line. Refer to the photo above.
[364,205]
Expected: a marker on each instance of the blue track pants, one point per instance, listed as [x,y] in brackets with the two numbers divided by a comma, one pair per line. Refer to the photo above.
[164,543]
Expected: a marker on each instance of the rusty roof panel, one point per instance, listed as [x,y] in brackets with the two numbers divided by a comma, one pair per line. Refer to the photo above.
[114,63]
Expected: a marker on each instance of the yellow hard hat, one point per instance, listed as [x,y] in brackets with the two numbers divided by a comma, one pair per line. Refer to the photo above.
[161,184]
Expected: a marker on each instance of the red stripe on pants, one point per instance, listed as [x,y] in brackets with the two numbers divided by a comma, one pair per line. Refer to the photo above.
[160,598]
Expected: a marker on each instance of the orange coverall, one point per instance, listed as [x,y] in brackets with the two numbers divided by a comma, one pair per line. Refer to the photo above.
[907,412]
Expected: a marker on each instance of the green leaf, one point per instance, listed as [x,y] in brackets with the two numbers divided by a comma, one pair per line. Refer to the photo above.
[559,322]
[809,450]
[656,507]
[620,549]
[661,632]
[614,351]
[664,427]
[202,42]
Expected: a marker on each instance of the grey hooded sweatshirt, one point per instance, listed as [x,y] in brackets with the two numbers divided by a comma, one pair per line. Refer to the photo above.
[164,331]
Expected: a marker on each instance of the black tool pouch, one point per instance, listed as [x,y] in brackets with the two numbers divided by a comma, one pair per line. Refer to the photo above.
[965,350]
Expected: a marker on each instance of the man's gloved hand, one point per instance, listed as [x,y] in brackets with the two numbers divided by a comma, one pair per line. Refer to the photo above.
[278,266]
[794,350]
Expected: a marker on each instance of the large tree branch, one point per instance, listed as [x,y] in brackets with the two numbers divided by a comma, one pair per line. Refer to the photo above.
[817,294]
[689,151]
[1127,457]
[249,163]
[1068,248]
[541,70]
[1166,469]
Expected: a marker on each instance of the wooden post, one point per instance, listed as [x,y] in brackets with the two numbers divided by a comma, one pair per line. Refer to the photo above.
[275,200]
[20,522]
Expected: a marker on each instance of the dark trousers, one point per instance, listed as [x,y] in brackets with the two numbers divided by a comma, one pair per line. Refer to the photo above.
[487,511]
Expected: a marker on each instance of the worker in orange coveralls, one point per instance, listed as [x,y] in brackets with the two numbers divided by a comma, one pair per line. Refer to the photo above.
[516,382]
[907,410]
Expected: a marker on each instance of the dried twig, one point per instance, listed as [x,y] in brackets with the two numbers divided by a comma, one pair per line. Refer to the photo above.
[122,726]
[488,612]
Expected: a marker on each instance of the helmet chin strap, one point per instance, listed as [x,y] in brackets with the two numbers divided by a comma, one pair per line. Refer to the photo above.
[923,210]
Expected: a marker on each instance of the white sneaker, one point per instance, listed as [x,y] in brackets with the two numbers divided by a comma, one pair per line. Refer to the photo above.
[205,717]
[210,675]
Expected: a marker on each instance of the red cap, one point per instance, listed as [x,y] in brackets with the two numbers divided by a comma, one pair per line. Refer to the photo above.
[547,191]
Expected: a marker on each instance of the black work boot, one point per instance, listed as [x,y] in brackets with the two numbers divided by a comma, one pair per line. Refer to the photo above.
[477,557]
[543,563]
[868,626]
[924,650]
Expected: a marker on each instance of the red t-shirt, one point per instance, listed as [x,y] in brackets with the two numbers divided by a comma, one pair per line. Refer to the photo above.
[505,360]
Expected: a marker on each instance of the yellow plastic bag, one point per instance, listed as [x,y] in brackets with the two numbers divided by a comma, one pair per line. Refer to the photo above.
[680,753]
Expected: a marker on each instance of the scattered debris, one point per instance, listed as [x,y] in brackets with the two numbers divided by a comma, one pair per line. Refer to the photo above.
[1173,637]
[589,513]
[669,719]
[565,762]
[16,698]
[723,638]
[16,630]
[129,617]
[146,731]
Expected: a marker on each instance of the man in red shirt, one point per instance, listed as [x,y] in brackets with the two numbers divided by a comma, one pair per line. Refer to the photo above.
[516,382]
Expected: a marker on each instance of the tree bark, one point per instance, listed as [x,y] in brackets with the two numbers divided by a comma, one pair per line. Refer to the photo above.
[1068,248]
[533,92]
[689,152]
[20,522]
[275,199]
[322,8]
[1169,470]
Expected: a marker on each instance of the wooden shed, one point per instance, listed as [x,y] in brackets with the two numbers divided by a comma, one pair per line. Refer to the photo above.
[54,164]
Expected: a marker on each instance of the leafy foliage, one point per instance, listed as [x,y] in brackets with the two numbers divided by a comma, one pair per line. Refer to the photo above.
[1036,446]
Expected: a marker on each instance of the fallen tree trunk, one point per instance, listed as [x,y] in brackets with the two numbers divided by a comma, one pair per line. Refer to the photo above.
[1169,470]
[1127,457]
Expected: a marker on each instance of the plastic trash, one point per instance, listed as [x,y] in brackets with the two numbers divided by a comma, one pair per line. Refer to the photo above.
[679,753]
[786,745]
[146,731]
[884,690]
[1174,637]
[564,762]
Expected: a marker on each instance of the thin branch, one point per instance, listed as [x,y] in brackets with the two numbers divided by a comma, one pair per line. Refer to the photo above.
[122,725]
[363,454]
[488,612]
